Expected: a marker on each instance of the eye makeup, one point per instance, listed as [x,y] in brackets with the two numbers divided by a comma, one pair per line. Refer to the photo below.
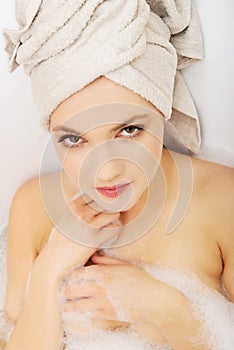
[70,136]
[72,140]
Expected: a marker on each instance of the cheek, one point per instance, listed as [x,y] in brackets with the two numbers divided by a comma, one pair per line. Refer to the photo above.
[150,156]
[72,164]
[155,146]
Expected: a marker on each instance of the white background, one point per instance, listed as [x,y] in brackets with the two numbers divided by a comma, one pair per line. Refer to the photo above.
[211,83]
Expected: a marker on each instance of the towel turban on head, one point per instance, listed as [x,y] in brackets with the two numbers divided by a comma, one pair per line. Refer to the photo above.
[66,44]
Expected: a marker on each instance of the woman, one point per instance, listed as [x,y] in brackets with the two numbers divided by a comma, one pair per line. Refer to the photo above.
[198,244]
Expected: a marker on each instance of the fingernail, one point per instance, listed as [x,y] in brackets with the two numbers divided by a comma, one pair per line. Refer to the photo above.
[101,252]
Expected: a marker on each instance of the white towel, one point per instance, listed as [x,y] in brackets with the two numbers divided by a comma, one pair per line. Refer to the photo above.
[65,45]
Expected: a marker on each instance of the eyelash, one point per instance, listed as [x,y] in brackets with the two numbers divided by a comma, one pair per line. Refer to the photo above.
[63,138]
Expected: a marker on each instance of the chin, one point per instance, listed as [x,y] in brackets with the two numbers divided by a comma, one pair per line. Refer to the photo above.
[137,198]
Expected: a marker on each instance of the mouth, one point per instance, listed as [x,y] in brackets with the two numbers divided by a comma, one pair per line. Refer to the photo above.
[113,191]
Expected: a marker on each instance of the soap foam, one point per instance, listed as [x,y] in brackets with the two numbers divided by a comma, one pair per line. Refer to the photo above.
[214,311]
[127,340]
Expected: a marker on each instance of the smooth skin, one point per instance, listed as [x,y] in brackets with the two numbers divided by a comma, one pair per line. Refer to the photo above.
[203,243]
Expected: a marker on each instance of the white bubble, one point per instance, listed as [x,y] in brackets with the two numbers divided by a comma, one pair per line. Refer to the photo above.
[214,311]
[106,340]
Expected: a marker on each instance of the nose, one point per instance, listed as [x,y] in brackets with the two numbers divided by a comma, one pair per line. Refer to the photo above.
[111,171]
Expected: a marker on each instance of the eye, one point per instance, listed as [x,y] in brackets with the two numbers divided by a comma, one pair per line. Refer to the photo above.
[70,141]
[131,130]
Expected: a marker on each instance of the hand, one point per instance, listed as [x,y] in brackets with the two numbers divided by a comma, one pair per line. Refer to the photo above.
[115,290]
[87,304]
[61,253]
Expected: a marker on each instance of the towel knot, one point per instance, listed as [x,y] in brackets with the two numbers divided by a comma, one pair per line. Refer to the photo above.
[13,37]
[138,44]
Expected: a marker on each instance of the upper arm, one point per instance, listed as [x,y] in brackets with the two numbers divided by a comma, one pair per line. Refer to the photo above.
[21,247]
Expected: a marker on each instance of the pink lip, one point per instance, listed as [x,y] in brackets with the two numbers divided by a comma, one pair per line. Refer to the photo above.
[113,191]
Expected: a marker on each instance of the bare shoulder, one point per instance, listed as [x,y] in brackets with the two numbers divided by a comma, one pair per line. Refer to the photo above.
[215,184]
[28,216]
[212,182]
[215,181]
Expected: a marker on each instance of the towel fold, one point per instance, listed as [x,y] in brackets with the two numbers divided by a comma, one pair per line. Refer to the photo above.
[142,45]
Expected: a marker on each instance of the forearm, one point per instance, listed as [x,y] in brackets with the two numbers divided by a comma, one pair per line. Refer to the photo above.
[39,325]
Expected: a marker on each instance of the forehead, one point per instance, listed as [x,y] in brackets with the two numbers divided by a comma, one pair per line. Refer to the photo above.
[109,114]
[101,91]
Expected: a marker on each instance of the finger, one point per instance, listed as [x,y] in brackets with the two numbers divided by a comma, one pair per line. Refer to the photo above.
[82,305]
[81,274]
[97,308]
[86,290]
[110,323]
[79,201]
[82,200]
[102,323]
[84,211]
[106,314]
[96,218]
[102,231]
[106,219]
[99,305]
[107,260]
[84,207]
[81,197]
[87,214]
[86,324]
[82,326]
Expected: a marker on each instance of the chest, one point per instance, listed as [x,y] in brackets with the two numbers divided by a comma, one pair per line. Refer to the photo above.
[191,247]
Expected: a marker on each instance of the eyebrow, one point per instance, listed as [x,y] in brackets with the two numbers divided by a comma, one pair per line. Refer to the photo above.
[134,118]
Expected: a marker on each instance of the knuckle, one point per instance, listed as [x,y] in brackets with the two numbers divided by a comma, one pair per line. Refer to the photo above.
[83,217]
[74,207]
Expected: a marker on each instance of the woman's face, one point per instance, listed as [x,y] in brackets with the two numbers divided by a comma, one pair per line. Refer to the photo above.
[76,137]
